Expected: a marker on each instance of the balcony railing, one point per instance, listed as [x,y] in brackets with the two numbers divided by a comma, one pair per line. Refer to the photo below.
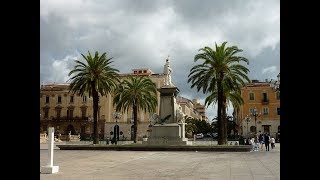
[68,119]
[265,101]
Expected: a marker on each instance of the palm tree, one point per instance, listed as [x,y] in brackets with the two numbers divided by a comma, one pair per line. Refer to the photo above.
[94,76]
[233,97]
[138,93]
[220,72]
[190,125]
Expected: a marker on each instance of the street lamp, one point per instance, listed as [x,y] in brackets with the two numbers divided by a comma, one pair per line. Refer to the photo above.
[247,120]
[255,114]
[116,116]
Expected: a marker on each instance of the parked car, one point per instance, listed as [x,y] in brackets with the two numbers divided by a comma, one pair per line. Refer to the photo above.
[199,136]
[214,135]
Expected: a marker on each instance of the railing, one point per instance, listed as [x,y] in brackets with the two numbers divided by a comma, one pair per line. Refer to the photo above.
[265,101]
[65,118]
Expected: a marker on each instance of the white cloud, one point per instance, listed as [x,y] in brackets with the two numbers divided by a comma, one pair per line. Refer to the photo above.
[61,69]
[271,69]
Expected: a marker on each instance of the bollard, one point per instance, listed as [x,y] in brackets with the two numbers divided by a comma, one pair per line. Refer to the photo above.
[49,168]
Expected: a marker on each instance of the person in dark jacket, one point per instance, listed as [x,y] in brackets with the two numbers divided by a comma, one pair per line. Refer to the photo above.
[261,140]
[266,141]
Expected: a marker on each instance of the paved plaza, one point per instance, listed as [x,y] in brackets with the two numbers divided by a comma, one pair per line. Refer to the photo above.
[114,165]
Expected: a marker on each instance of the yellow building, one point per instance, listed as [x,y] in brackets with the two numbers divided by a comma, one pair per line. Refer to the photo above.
[70,112]
[261,109]
[188,108]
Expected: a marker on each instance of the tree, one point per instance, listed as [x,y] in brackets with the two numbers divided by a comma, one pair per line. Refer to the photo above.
[191,127]
[194,126]
[233,97]
[94,76]
[219,73]
[138,93]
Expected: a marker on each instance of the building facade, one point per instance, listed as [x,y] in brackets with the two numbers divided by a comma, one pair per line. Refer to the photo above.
[261,109]
[69,112]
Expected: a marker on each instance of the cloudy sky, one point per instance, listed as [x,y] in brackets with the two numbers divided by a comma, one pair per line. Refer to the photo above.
[142,33]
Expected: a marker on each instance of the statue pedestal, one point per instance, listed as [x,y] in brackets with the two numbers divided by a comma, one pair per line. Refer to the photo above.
[169,134]
[169,131]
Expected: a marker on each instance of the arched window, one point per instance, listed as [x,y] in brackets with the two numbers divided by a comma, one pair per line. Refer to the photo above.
[252,129]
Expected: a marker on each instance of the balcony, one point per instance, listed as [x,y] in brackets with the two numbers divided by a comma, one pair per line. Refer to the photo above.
[265,101]
[66,118]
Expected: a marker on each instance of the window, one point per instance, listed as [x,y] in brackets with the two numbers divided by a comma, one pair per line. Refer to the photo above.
[84,99]
[83,112]
[278,111]
[278,95]
[70,113]
[265,97]
[140,71]
[58,110]
[71,99]
[252,129]
[265,111]
[266,128]
[47,99]
[144,71]
[59,99]
[251,96]
[46,112]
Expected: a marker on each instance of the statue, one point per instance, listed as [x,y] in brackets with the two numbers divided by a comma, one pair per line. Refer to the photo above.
[167,71]
[180,116]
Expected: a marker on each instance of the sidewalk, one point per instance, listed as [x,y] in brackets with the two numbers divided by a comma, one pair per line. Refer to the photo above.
[164,165]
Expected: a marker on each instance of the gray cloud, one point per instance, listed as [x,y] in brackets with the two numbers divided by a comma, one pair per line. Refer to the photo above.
[143,33]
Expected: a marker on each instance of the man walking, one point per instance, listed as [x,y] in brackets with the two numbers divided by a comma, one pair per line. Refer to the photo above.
[266,141]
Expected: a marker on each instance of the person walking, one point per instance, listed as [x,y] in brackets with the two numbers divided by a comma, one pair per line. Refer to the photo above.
[261,140]
[272,140]
[266,141]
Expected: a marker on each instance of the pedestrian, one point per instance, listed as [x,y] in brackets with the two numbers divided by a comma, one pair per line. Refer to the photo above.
[252,144]
[266,141]
[261,140]
[272,140]
[256,143]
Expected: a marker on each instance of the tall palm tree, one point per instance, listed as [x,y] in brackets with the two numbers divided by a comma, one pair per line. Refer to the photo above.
[94,76]
[230,98]
[219,73]
[138,93]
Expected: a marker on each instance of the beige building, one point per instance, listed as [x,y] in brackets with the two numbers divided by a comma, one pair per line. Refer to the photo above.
[192,108]
[261,109]
[70,112]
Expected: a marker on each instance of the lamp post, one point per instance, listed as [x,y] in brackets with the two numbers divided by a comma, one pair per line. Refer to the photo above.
[255,114]
[247,120]
[116,116]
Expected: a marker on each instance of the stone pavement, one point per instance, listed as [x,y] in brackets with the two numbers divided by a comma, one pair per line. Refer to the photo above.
[114,165]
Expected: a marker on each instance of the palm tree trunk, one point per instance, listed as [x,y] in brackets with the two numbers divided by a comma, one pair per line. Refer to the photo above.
[220,124]
[135,123]
[95,97]
[225,121]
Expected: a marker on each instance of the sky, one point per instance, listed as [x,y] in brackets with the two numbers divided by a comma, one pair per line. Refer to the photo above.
[142,33]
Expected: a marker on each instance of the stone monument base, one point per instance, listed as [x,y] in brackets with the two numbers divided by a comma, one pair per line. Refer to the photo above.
[49,169]
[169,134]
